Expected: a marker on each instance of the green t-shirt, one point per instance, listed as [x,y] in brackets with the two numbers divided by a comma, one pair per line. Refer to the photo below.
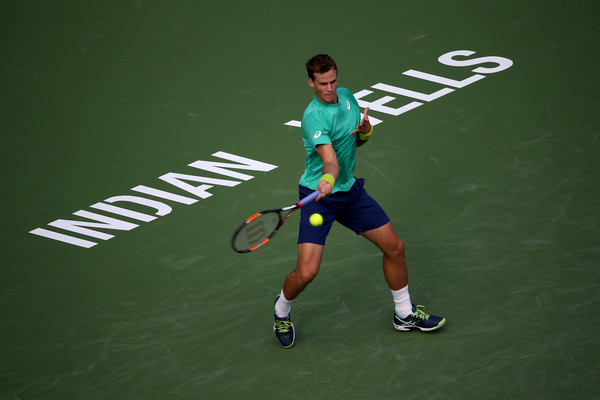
[331,124]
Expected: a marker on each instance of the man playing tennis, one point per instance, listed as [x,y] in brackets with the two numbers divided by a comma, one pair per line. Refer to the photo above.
[332,129]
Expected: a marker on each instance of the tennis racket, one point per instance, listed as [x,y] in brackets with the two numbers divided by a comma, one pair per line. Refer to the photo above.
[258,229]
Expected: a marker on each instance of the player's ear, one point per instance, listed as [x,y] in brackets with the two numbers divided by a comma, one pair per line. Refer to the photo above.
[311,83]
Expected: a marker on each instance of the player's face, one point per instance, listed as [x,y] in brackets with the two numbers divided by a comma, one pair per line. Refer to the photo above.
[325,86]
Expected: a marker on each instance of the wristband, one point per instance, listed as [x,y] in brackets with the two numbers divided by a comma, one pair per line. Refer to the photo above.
[328,178]
[365,136]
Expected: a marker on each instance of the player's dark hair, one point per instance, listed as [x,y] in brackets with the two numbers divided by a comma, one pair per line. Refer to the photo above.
[320,64]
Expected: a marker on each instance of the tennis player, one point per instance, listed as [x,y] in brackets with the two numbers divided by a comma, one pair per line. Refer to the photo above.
[332,129]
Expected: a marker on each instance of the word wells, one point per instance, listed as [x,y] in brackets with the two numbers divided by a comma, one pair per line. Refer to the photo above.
[412,99]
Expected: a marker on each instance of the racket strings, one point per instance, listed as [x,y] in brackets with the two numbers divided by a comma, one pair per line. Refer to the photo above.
[255,231]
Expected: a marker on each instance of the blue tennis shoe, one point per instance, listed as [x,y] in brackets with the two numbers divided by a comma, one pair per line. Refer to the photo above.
[284,330]
[418,319]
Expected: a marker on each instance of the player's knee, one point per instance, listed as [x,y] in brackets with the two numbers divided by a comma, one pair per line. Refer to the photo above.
[306,276]
[396,249]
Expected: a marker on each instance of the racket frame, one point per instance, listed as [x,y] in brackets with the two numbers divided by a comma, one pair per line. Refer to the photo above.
[282,219]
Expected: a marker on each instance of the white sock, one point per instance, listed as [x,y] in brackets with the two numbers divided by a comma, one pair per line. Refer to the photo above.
[402,303]
[283,306]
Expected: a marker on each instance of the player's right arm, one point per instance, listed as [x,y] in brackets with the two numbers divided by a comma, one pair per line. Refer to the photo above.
[330,166]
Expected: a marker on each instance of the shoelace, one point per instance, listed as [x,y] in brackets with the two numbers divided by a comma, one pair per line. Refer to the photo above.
[420,313]
[283,325]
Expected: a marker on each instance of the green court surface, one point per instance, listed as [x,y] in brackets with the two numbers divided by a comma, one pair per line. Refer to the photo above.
[492,179]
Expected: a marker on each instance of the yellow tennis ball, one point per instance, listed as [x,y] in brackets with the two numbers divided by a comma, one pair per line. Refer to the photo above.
[316,219]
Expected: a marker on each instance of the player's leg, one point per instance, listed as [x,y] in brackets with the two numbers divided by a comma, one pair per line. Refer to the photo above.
[406,316]
[307,268]
[392,247]
[394,265]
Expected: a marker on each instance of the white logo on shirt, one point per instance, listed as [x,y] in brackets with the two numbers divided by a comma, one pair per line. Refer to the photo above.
[317,134]
[348,104]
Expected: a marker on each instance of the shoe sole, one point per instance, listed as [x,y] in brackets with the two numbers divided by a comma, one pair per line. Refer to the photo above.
[401,328]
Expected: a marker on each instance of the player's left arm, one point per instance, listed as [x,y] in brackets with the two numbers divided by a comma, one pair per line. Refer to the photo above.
[363,129]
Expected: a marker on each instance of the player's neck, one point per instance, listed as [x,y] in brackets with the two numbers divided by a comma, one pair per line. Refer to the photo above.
[334,102]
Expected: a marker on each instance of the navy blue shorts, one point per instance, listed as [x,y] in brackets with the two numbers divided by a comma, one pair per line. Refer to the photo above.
[355,210]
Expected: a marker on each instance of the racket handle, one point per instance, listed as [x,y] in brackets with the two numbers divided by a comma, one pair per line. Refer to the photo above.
[309,198]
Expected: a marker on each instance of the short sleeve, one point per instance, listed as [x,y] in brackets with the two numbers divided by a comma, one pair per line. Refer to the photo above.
[315,130]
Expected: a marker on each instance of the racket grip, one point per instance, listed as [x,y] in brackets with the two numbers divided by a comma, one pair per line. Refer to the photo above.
[309,198]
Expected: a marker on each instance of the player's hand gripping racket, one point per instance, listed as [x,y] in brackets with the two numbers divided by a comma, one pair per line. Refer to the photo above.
[258,229]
